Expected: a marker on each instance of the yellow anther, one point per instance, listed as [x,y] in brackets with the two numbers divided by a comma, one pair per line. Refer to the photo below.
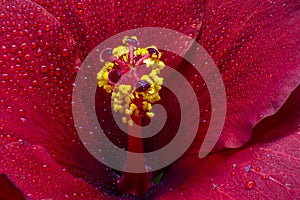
[150,114]
[146,89]
[124,120]
[130,122]
[107,88]
[145,105]
[118,108]
[154,52]
[133,107]
[117,101]
[140,52]
[125,89]
[120,51]
[128,112]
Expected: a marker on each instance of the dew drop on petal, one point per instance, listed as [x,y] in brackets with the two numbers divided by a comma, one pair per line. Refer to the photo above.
[79,5]
[65,52]
[39,52]
[21,112]
[194,26]
[118,4]
[23,45]
[5,77]
[23,120]
[57,71]
[27,57]
[45,79]
[44,69]
[38,9]
[9,109]
[46,168]
[13,48]
[4,49]
[249,185]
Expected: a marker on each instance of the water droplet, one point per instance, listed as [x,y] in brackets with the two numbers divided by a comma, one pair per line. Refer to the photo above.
[38,9]
[65,52]
[27,57]
[79,5]
[39,33]
[249,185]
[13,48]
[9,109]
[46,168]
[31,15]
[194,26]
[23,120]
[23,45]
[118,4]
[5,77]
[2,15]
[33,45]
[21,112]
[4,49]
[57,71]
[45,79]
[44,69]
[39,52]
[34,83]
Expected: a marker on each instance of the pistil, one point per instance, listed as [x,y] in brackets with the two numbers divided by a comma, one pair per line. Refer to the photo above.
[133,100]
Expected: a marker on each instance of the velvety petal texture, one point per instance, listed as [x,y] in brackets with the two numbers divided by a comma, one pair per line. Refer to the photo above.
[8,190]
[38,176]
[266,168]
[255,44]
[38,65]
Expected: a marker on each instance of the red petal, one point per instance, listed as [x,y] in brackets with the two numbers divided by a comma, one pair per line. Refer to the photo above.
[256,46]
[92,21]
[267,168]
[39,177]
[38,61]
[8,191]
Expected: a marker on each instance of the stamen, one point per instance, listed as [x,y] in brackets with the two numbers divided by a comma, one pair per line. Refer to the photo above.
[140,61]
[152,51]
[131,54]
[123,59]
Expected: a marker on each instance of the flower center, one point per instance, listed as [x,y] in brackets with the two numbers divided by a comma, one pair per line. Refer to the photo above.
[131,75]
[133,94]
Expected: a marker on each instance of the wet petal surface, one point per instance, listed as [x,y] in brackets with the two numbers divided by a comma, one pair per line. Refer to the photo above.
[265,168]
[256,47]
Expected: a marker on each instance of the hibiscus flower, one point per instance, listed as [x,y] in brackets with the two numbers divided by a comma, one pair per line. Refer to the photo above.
[255,45]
